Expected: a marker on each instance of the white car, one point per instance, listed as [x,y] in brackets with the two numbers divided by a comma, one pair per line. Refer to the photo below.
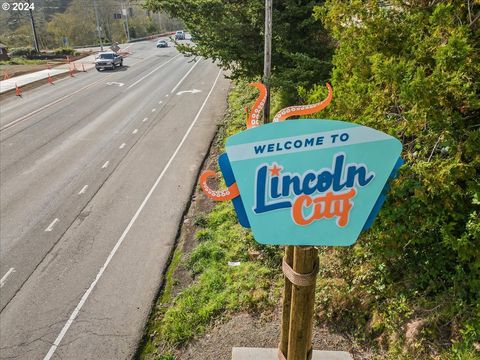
[180,35]
[108,60]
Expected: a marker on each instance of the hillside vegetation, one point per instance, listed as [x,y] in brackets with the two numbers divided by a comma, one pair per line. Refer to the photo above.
[411,284]
[61,23]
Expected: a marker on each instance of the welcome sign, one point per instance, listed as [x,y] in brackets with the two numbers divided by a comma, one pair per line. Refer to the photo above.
[309,182]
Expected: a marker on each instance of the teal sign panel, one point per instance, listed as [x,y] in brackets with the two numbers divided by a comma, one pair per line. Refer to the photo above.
[310,182]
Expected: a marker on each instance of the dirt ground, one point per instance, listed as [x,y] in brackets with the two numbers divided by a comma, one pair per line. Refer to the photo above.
[247,330]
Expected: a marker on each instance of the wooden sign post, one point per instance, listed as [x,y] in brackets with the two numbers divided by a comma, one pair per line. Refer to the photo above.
[287,300]
[298,303]
[303,299]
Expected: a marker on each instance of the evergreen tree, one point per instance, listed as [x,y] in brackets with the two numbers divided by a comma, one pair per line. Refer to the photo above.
[232,33]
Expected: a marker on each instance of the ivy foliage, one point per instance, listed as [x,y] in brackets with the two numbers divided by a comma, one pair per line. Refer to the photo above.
[412,69]
[232,32]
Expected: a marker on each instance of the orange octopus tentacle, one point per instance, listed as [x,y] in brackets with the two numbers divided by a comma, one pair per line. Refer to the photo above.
[217,195]
[304,109]
[253,119]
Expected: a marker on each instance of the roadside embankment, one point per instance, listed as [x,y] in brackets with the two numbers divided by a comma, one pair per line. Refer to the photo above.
[222,289]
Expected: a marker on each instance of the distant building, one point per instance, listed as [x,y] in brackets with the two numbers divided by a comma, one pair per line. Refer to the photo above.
[3,52]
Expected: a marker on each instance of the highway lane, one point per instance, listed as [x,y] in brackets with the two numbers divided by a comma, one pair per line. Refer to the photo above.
[40,161]
[143,58]
[73,177]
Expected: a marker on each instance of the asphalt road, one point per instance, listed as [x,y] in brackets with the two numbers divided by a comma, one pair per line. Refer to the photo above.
[95,174]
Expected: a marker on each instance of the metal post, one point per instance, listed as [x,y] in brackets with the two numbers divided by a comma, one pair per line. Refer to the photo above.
[126,20]
[98,25]
[267,63]
[35,38]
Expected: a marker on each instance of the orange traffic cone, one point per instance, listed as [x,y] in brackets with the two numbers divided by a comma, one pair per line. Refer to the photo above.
[18,92]
[5,75]
[50,80]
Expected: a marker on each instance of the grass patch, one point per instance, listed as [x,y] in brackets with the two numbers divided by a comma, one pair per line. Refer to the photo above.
[218,287]
[148,347]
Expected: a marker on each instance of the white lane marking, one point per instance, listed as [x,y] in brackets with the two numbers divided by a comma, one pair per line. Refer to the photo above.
[193,91]
[145,119]
[151,72]
[183,78]
[135,131]
[52,224]
[14,122]
[4,278]
[166,95]
[119,84]
[122,146]
[106,164]
[160,102]
[83,190]
[87,293]
[153,110]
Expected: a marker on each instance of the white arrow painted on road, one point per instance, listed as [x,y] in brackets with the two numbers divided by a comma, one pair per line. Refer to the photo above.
[115,83]
[194,91]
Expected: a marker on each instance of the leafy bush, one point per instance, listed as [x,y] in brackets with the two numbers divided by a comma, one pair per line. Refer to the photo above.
[412,71]
[65,51]
[23,52]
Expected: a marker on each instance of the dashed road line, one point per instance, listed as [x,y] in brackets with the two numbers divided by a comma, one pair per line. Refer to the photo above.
[119,242]
[83,190]
[4,278]
[154,109]
[122,146]
[106,164]
[134,131]
[144,120]
[160,102]
[52,224]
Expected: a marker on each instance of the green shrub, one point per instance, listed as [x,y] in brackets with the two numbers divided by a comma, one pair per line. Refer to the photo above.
[65,51]
[23,52]
[412,71]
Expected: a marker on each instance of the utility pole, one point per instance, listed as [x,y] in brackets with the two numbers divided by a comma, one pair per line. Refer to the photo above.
[267,62]
[35,38]
[99,30]
[126,20]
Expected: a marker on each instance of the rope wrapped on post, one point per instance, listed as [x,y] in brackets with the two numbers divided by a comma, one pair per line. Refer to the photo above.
[297,278]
